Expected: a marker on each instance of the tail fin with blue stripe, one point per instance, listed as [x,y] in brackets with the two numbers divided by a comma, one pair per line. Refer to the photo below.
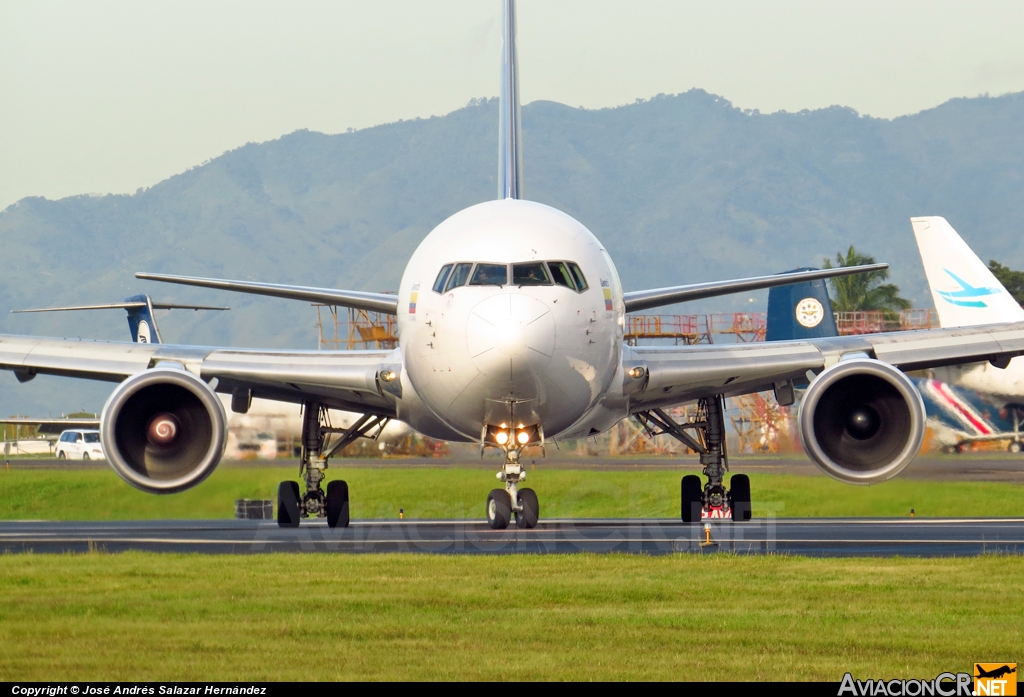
[964,290]
[141,321]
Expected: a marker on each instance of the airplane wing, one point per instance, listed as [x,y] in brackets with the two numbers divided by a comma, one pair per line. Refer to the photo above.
[52,427]
[679,374]
[639,300]
[345,380]
[360,300]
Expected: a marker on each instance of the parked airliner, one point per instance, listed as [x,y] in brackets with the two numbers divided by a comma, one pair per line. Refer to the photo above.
[967,294]
[510,320]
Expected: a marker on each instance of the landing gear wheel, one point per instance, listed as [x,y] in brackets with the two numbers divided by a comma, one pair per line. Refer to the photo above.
[693,499]
[288,505]
[739,497]
[337,504]
[1015,446]
[959,448]
[499,509]
[527,517]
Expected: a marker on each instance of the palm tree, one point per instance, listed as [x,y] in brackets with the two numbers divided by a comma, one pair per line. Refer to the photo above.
[863,291]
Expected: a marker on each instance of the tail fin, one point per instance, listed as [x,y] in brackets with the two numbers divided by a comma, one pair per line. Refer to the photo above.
[510,157]
[800,311]
[963,289]
[140,320]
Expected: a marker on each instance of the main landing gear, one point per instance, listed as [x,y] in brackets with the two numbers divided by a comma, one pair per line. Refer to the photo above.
[315,503]
[712,500]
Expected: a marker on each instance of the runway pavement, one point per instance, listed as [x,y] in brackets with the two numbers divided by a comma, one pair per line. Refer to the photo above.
[833,537]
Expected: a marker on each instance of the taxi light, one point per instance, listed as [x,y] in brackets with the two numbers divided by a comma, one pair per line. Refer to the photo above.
[523,437]
[501,437]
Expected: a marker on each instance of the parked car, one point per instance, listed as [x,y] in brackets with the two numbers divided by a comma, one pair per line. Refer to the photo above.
[80,444]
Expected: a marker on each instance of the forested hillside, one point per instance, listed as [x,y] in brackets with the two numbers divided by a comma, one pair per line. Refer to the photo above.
[680,188]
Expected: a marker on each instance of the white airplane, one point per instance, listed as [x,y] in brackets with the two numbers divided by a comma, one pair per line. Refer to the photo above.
[510,319]
[967,294]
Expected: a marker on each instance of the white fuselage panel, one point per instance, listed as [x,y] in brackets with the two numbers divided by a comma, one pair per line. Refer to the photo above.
[551,351]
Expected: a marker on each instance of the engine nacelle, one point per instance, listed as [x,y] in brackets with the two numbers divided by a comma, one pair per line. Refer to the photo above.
[163,430]
[862,421]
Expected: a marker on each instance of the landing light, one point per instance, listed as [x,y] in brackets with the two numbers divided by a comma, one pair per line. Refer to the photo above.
[523,437]
[501,437]
[636,372]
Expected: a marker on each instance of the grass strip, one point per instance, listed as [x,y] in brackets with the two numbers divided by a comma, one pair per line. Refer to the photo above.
[98,494]
[139,616]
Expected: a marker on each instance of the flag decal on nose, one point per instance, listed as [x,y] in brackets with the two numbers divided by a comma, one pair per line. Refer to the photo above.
[607,295]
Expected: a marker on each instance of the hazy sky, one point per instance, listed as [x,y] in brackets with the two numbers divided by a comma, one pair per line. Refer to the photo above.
[108,96]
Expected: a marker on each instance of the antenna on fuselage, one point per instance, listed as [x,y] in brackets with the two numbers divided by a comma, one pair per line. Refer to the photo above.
[510,156]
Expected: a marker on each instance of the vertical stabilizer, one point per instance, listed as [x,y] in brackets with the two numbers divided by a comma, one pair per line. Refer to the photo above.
[800,311]
[141,322]
[510,159]
[963,289]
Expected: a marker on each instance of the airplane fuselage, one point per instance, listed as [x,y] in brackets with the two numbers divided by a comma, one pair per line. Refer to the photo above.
[520,334]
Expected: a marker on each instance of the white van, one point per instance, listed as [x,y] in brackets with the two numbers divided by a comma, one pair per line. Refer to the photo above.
[80,444]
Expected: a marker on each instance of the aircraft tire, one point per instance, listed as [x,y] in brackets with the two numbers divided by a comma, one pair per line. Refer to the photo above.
[692,498]
[337,504]
[1014,446]
[288,505]
[530,513]
[499,509]
[739,497]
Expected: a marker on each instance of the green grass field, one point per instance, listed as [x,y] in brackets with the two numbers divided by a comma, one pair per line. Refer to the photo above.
[98,494]
[142,616]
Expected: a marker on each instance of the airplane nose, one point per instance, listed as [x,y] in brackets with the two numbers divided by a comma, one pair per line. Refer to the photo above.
[510,332]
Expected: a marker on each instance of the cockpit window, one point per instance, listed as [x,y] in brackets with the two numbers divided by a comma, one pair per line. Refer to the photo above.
[560,272]
[460,274]
[442,276]
[489,275]
[577,274]
[530,274]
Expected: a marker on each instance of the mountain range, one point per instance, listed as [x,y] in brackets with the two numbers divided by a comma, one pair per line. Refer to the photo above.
[680,188]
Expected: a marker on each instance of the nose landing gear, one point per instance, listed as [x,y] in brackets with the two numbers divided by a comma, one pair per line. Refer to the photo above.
[713,500]
[502,504]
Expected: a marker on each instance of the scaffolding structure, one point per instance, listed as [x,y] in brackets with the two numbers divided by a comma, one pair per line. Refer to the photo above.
[681,329]
[878,321]
[363,329]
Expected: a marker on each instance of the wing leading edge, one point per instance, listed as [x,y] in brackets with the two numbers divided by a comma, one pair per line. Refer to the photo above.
[639,300]
[680,374]
[340,379]
[374,302]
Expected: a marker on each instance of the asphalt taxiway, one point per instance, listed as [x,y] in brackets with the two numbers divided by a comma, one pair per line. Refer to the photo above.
[832,537]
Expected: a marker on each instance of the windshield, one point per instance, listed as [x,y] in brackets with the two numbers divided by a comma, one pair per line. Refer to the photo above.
[490,275]
[531,274]
[442,276]
[460,274]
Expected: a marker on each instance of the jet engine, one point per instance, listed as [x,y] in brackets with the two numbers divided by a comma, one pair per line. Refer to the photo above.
[163,430]
[862,421]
